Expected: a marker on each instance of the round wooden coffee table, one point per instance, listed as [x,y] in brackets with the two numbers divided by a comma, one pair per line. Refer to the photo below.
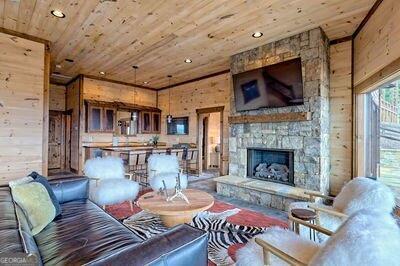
[177,211]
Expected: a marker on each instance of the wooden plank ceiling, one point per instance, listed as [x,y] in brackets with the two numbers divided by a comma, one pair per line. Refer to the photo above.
[156,35]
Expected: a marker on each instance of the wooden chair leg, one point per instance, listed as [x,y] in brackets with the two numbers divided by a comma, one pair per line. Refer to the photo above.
[267,257]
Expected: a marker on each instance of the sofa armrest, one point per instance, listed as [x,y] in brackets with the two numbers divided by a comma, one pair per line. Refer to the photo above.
[70,189]
[180,246]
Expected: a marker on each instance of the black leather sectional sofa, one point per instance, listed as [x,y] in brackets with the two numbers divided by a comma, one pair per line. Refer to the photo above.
[86,235]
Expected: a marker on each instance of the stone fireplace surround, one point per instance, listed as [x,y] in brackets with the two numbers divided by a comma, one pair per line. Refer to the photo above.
[307,139]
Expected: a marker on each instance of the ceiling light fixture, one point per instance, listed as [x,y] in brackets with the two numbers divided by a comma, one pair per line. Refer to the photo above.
[257,34]
[102,73]
[188,60]
[169,116]
[57,13]
[145,82]
[58,66]
[134,114]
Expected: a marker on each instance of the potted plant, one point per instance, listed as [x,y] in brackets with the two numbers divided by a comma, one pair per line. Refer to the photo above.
[154,140]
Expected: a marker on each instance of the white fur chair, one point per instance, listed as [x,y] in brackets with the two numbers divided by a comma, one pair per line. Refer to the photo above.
[162,167]
[108,184]
[368,237]
[359,193]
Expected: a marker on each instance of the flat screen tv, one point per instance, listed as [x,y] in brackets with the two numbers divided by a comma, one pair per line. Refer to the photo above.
[272,86]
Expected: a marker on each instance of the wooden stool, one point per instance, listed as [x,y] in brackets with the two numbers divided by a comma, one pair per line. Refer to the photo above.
[305,215]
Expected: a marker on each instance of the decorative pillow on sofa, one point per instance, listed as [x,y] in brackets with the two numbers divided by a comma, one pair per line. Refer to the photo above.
[42,180]
[35,201]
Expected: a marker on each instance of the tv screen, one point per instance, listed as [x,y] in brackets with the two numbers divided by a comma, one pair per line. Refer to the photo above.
[272,86]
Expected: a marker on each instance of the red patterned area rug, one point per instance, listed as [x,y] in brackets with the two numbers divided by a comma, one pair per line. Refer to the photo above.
[237,217]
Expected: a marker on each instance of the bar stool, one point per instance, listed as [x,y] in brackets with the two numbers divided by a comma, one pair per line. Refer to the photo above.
[192,161]
[138,166]
[305,215]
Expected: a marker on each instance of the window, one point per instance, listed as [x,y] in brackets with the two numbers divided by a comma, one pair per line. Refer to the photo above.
[178,126]
[381,136]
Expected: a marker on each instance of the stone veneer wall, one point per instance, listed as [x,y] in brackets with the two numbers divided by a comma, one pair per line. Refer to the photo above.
[308,139]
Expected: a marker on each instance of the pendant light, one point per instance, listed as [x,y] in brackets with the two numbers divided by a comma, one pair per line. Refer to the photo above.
[169,116]
[134,113]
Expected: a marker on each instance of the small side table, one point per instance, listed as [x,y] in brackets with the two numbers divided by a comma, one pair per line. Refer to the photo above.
[305,215]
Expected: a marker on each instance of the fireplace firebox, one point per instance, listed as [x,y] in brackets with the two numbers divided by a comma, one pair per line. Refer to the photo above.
[275,165]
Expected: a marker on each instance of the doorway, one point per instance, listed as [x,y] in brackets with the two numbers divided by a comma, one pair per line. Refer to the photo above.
[210,142]
[59,139]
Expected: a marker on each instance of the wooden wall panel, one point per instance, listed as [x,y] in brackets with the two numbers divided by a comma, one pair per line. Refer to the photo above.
[185,99]
[21,107]
[108,91]
[378,43]
[340,115]
[57,97]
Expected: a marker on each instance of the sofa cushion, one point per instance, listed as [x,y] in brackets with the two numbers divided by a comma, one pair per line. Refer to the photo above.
[84,232]
[7,218]
[10,241]
[42,180]
[35,201]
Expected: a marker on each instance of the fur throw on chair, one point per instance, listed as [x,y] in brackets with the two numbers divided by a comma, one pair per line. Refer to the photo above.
[112,186]
[364,193]
[301,248]
[104,168]
[368,237]
[165,168]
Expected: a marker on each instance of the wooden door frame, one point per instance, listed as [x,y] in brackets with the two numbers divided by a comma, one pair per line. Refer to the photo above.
[205,118]
[65,138]
[209,110]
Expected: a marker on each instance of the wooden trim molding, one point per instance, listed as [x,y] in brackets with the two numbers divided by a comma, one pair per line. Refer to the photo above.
[270,118]
[121,82]
[384,75]
[25,36]
[210,110]
[195,79]
[340,40]
[367,17]
[46,102]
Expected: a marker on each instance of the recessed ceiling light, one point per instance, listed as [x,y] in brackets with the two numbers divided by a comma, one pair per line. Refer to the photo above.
[257,34]
[57,13]
[188,60]
[145,82]
[58,66]
[102,73]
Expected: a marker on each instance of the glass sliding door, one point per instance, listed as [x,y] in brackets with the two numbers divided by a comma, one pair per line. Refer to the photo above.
[382,135]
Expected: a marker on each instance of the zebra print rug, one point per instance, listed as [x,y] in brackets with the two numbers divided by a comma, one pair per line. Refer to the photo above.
[222,234]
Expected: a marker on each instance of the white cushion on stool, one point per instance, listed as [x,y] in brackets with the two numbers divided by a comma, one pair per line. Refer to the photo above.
[113,191]
[170,181]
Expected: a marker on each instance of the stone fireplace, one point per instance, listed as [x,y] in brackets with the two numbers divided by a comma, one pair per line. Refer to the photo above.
[275,165]
[306,140]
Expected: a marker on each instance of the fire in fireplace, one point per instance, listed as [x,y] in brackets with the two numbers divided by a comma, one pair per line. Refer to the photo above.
[275,165]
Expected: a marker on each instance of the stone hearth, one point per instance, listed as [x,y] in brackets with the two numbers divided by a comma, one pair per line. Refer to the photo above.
[309,140]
